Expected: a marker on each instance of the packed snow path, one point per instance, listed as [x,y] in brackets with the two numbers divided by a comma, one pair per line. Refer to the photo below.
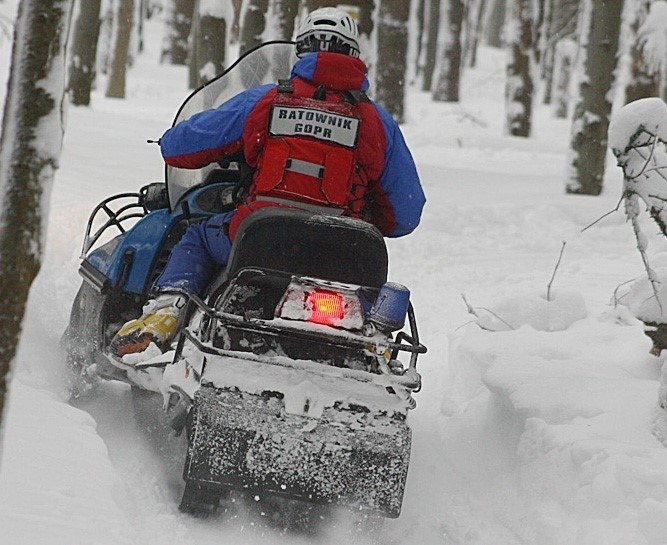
[542,434]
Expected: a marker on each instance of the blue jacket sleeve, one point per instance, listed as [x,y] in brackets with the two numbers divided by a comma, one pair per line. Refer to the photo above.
[198,256]
[210,135]
[400,180]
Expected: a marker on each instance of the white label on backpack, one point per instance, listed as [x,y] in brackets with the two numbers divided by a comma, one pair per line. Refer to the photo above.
[328,126]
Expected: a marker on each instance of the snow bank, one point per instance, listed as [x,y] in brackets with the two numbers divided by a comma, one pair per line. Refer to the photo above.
[69,488]
[578,408]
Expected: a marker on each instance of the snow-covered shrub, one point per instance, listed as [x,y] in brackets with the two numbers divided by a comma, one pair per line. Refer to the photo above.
[638,137]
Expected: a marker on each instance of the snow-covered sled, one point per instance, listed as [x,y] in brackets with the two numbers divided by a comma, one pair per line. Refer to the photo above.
[286,377]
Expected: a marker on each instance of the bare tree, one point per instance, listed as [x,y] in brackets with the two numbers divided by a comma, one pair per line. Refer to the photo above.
[473,21]
[588,143]
[564,59]
[210,38]
[392,45]
[284,13]
[179,14]
[32,131]
[645,72]
[253,24]
[120,50]
[84,51]
[560,24]
[431,53]
[449,69]
[495,23]
[519,82]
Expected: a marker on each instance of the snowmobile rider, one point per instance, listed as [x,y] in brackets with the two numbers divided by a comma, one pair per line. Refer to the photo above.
[316,142]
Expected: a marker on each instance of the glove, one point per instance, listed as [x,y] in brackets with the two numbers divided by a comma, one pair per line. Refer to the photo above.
[157,324]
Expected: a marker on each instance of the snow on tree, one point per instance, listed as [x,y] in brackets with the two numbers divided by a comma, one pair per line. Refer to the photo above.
[84,51]
[32,134]
[645,62]
[638,139]
[519,84]
[653,38]
[449,68]
[598,51]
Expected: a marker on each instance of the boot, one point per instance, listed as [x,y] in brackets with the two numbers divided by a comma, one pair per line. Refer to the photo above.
[157,324]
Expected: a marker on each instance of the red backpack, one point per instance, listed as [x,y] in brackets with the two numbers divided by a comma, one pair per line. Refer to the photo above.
[310,154]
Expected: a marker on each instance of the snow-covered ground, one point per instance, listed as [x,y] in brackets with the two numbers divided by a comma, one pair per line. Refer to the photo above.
[542,428]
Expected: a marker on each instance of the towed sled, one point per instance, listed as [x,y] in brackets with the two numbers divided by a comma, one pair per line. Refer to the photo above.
[287,376]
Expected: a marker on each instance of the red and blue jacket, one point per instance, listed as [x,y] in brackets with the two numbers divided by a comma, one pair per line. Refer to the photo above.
[384,167]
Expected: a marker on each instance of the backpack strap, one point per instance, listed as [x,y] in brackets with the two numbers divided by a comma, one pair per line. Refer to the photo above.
[285,86]
[356,97]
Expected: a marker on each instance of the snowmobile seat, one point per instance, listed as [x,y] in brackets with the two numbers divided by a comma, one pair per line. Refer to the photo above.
[340,249]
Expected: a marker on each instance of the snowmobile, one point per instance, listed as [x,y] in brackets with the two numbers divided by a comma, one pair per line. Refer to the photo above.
[286,375]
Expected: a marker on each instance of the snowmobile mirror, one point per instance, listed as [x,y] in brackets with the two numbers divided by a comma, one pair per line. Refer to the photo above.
[154,196]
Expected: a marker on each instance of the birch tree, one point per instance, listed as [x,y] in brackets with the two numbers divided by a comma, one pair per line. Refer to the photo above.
[30,144]
[84,52]
[588,143]
[519,83]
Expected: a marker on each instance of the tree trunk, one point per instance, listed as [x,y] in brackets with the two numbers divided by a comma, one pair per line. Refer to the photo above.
[565,54]
[175,48]
[433,26]
[449,71]
[392,46]
[84,52]
[209,43]
[495,23]
[588,144]
[644,79]
[519,86]
[105,40]
[116,83]
[476,31]
[32,131]
[560,26]
[253,24]
[285,12]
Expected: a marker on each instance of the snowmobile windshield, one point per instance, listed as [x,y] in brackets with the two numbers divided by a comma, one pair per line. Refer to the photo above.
[265,64]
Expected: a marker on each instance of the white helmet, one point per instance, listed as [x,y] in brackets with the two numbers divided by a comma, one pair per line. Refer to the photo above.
[328,29]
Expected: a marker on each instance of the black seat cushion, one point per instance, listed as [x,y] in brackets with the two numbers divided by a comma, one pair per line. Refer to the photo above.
[334,248]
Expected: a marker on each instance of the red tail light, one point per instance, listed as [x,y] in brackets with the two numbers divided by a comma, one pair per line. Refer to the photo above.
[323,303]
[327,307]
